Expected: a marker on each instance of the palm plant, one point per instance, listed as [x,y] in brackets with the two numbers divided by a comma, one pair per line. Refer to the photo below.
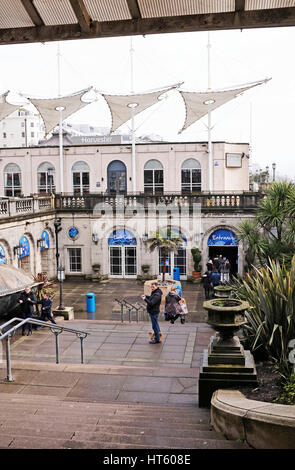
[271,234]
[165,241]
[270,291]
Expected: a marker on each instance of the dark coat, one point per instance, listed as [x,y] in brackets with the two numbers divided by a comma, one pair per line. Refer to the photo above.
[27,307]
[46,305]
[207,279]
[154,301]
[172,306]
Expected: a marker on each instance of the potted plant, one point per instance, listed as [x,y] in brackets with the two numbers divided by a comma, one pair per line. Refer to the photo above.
[96,267]
[197,259]
[223,291]
[145,268]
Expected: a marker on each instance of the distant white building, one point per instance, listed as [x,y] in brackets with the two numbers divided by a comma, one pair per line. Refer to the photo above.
[22,128]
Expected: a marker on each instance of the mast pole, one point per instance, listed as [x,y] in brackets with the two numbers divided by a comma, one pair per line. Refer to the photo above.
[60,109]
[210,156]
[133,156]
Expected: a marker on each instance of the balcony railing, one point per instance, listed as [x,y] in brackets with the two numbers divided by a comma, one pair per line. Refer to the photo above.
[209,202]
[214,202]
[27,205]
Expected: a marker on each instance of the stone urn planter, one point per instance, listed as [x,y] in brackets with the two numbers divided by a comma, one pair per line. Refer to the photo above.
[222,291]
[226,316]
[225,363]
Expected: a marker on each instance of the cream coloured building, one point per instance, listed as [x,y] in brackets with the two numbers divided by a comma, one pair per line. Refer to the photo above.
[103,221]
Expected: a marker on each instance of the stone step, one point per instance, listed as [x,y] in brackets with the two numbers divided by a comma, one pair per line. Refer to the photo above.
[25,442]
[42,422]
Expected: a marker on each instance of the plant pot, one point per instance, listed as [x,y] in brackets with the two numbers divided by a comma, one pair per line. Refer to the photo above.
[226,316]
[222,291]
[196,274]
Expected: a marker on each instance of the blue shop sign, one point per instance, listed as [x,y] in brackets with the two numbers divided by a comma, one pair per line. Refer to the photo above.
[222,237]
[25,247]
[46,238]
[122,237]
[2,255]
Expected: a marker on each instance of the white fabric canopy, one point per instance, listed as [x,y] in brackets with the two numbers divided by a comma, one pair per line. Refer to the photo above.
[120,108]
[50,115]
[6,108]
[199,104]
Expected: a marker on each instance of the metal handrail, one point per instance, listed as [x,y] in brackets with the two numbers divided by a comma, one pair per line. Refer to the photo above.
[129,306]
[55,329]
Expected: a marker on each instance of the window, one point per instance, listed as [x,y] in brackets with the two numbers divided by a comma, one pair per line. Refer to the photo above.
[46,178]
[32,134]
[117,176]
[80,171]
[23,134]
[153,177]
[75,260]
[190,176]
[12,180]
[4,135]
[32,124]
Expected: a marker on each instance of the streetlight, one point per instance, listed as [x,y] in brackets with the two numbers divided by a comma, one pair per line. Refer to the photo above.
[57,228]
[61,278]
[273,171]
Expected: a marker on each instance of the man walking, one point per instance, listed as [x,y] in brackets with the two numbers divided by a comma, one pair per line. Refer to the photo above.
[153,307]
[27,301]
[46,303]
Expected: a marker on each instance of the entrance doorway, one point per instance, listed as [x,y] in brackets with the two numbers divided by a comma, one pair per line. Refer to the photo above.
[122,254]
[174,260]
[224,242]
[229,252]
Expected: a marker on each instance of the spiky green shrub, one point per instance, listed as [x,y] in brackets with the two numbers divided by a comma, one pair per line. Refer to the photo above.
[270,291]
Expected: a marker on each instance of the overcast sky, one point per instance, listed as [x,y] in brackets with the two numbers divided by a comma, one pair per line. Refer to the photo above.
[159,60]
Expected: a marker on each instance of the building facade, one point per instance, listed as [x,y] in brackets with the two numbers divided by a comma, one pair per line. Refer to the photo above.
[104,222]
[22,128]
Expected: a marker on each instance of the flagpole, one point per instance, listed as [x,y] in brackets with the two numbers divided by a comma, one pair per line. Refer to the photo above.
[210,157]
[60,109]
[133,158]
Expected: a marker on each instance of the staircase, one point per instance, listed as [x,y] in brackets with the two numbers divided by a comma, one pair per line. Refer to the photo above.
[46,422]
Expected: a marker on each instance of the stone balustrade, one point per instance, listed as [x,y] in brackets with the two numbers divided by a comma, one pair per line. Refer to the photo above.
[22,206]
[207,202]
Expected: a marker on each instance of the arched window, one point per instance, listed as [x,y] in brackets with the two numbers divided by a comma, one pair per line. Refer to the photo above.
[12,180]
[117,177]
[2,255]
[153,177]
[46,178]
[190,176]
[80,171]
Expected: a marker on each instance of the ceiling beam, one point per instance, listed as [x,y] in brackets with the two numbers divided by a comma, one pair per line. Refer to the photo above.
[134,9]
[32,12]
[178,24]
[82,15]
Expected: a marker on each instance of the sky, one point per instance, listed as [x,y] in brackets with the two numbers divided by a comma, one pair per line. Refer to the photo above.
[262,116]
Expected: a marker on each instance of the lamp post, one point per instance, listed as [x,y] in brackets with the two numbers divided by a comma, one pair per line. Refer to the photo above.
[57,228]
[273,171]
[61,278]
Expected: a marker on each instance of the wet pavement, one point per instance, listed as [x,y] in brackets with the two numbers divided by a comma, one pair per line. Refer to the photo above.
[106,308]
[120,365]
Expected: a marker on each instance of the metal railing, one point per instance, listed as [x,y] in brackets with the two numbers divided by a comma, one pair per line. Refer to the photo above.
[127,307]
[55,329]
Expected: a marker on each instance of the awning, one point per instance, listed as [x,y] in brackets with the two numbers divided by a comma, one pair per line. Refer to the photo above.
[48,108]
[121,106]
[6,108]
[198,104]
